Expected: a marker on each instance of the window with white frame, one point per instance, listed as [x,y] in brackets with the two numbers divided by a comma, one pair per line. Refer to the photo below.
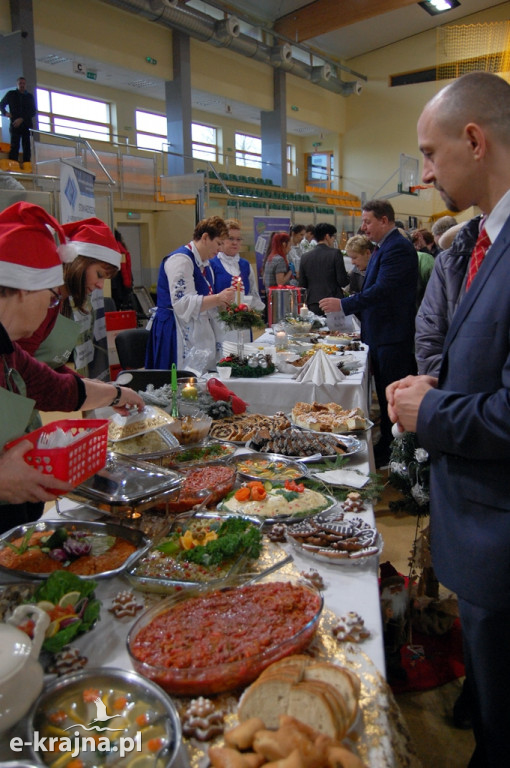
[151,134]
[65,114]
[249,153]
[204,142]
[291,159]
[150,130]
[248,150]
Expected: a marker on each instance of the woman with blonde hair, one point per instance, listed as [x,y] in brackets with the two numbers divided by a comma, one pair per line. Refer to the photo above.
[359,249]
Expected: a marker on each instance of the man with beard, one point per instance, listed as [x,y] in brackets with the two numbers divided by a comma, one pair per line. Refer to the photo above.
[462,416]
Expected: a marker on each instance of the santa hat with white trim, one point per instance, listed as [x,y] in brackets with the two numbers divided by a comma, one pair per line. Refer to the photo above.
[93,239]
[29,257]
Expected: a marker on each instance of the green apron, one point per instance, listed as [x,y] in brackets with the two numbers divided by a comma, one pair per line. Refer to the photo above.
[91,352]
[18,413]
[57,347]
[18,417]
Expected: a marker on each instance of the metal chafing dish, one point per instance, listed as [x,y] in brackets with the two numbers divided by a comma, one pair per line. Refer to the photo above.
[126,488]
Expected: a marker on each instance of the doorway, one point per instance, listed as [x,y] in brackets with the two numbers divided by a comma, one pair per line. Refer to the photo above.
[320,169]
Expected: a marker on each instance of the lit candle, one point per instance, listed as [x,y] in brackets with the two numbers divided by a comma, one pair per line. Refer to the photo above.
[238,293]
[190,392]
[280,340]
[303,312]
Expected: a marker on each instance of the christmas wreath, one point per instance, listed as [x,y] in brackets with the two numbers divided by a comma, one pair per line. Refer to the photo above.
[252,367]
[240,317]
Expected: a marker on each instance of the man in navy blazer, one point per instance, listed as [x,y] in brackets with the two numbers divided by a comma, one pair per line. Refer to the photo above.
[386,306]
[463,417]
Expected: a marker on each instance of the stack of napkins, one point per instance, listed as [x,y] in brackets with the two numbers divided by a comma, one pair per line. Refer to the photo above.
[320,369]
[342,477]
[230,348]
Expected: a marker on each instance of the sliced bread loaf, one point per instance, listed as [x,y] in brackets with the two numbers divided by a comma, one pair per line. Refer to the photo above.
[341,680]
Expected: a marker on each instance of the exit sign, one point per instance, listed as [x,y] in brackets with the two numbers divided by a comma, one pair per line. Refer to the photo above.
[91,75]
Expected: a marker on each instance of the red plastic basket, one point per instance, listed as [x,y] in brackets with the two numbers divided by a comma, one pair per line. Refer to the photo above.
[75,462]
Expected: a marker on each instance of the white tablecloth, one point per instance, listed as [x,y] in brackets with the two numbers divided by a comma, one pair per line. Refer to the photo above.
[279,391]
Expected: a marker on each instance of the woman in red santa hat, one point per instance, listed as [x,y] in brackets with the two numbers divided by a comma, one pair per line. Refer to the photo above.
[31,275]
[76,327]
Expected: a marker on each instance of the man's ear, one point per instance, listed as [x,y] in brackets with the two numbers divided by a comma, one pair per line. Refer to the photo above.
[477,141]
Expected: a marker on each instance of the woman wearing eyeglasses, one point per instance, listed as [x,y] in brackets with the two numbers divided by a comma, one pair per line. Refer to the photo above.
[230,269]
[74,328]
[31,276]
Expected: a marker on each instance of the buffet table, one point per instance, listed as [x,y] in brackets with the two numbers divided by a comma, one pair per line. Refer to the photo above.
[348,586]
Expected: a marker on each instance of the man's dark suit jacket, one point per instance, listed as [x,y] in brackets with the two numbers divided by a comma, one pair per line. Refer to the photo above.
[322,272]
[465,426]
[387,301]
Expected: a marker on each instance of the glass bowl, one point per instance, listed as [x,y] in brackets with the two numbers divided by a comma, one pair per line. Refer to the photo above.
[267,466]
[207,484]
[204,641]
[190,430]
[145,715]
[210,453]
[189,388]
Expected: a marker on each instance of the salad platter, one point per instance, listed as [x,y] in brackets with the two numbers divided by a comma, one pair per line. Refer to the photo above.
[184,457]
[69,601]
[201,549]
[287,502]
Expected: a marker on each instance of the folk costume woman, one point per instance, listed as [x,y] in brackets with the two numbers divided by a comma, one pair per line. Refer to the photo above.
[185,329]
[230,269]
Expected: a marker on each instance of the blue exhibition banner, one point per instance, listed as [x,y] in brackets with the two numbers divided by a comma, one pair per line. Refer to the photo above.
[263,227]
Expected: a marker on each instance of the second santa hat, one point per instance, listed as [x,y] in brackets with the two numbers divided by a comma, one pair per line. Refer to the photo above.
[93,239]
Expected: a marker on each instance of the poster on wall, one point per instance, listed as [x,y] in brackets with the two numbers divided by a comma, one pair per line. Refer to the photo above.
[77,201]
[263,227]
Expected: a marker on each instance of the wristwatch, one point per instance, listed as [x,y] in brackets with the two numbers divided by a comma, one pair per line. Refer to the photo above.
[117,397]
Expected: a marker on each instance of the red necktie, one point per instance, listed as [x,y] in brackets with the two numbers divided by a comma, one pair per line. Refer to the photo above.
[478,255]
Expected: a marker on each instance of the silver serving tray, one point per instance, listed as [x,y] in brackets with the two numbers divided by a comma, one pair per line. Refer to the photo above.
[135,537]
[125,481]
[336,433]
[353,444]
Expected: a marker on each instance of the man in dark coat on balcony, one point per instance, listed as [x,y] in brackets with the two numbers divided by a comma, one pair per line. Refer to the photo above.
[19,106]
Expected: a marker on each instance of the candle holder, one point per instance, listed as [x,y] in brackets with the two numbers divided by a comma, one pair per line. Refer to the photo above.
[189,389]
[281,339]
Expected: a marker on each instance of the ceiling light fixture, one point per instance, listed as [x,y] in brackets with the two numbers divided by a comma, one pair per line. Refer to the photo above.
[439,6]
